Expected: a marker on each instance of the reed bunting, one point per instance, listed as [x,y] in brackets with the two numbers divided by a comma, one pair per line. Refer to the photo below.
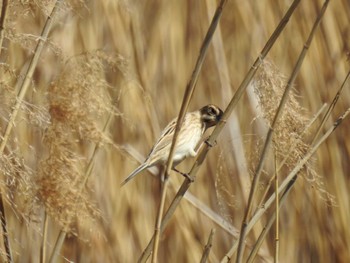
[194,125]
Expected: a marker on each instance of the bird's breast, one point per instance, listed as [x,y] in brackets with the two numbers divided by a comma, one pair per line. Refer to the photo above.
[188,140]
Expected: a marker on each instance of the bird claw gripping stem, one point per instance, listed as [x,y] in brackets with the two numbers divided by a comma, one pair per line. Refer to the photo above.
[187,176]
[209,143]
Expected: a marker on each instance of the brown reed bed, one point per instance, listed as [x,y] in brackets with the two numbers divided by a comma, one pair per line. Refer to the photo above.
[110,76]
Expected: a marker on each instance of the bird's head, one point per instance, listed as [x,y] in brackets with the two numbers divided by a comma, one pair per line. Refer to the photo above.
[210,115]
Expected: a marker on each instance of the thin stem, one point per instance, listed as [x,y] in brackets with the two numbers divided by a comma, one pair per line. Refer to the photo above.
[330,108]
[159,220]
[277,205]
[185,102]
[207,247]
[57,247]
[272,219]
[219,220]
[268,140]
[43,243]
[3,16]
[5,232]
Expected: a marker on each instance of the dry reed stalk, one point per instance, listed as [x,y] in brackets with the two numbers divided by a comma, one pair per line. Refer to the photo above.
[5,235]
[219,220]
[330,108]
[286,184]
[3,16]
[228,256]
[185,102]
[58,245]
[43,248]
[268,140]
[211,141]
[277,206]
[207,247]
[212,215]
[272,219]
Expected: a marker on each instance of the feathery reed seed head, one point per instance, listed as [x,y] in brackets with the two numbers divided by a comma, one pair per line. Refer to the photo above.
[78,101]
[289,130]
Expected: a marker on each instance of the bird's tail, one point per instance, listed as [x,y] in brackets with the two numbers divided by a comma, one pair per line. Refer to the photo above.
[135,172]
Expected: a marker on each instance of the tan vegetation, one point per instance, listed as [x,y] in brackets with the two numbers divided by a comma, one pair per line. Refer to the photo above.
[112,74]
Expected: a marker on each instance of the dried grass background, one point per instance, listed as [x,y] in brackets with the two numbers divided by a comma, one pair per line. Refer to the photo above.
[133,59]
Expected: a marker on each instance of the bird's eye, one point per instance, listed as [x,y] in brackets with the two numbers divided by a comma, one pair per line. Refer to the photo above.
[211,111]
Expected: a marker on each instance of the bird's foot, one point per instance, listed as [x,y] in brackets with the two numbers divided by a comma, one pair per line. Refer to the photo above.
[187,176]
[209,143]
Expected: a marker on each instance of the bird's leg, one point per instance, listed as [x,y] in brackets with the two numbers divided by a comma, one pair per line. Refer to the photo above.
[210,144]
[194,152]
[162,173]
[199,147]
[184,175]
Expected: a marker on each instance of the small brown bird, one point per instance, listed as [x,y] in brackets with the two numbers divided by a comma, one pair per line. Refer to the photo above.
[194,125]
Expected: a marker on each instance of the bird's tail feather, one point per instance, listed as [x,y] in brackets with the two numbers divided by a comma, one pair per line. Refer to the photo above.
[134,173]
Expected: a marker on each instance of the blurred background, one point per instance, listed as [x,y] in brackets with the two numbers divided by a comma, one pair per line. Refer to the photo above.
[133,59]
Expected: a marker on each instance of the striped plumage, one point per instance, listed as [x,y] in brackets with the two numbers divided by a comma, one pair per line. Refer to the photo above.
[194,125]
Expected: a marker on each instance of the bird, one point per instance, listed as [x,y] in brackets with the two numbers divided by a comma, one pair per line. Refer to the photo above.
[193,127]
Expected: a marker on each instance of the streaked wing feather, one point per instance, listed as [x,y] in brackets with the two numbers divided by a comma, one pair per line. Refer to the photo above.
[162,147]
[163,144]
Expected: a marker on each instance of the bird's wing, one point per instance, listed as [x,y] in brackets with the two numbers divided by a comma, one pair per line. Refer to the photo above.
[162,146]
[160,149]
